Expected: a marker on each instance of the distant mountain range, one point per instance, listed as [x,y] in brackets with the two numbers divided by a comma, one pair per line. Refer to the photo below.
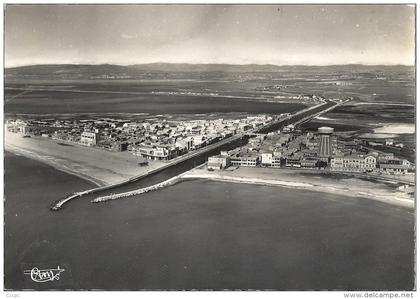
[75,71]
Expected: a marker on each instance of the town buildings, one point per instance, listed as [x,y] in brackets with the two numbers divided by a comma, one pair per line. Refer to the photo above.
[153,139]
[293,148]
[162,140]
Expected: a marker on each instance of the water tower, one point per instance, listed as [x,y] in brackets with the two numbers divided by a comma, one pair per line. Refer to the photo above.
[325,142]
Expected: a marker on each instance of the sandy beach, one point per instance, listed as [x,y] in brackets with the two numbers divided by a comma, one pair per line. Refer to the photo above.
[344,185]
[96,165]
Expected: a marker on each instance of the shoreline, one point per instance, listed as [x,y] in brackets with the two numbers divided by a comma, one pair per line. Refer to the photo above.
[55,165]
[297,179]
[95,165]
[192,175]
[341,187]
[275,178]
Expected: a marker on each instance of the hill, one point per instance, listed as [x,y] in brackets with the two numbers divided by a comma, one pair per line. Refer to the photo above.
[111,71]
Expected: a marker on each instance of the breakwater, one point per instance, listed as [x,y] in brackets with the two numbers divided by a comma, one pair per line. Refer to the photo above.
[157,186]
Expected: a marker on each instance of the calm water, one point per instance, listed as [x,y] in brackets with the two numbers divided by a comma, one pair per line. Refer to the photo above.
[202,235]
[59,102]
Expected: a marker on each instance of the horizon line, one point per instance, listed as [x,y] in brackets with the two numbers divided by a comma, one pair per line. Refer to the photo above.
[209,63]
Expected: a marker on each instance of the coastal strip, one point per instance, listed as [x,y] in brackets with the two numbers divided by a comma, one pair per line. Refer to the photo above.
[343,188]
[339,189]
[327,105]
[299,116]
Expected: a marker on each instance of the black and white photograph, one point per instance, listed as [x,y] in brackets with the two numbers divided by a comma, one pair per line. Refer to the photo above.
[209,147]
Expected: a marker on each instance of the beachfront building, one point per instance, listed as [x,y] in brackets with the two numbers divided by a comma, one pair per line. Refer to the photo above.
[308,162]
[394,166]
[89,138]
[272,159]
[250,160]
[353,163]
[24,130]
[218,162]
[119,146]
[337,162]
[153,152]
[294,161]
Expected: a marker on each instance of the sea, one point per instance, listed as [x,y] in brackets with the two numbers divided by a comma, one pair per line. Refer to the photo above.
[201,234]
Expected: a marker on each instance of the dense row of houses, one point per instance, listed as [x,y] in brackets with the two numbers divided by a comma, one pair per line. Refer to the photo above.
[309,150]
[163,140]
[153,139]
[352,163]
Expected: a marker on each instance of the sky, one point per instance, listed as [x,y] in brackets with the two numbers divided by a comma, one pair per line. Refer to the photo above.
[234,34]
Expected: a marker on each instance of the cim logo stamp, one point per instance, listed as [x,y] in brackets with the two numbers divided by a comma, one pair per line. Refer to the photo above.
[44,275]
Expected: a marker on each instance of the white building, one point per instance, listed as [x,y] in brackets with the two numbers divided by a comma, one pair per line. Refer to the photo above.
[155,152]
[354,163]
[89,138]
[218,162]
[246,160]
[271,159]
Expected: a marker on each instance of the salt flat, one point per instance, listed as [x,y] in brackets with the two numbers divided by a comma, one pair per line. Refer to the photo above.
[398,128]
